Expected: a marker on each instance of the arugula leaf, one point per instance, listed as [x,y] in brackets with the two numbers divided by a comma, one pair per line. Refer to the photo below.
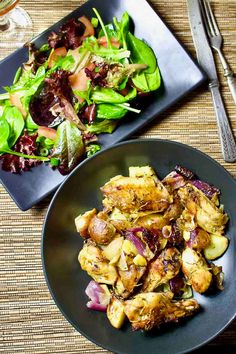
[114,54]
[44,48]
[15,121]
[122,28]
[65,63]
[110,111]
[4,96]
[108,95]
[106,126]
[141,53]
[17,75]
[94,22]
[28,83]
[110,31]
[103,27]
[69,146]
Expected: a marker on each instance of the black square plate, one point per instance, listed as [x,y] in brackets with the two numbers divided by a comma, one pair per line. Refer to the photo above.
[179,72]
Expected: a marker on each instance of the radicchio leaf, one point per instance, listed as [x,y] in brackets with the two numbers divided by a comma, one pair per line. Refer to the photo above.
[98,74]
[26,144]
[88,113]
[53,102]
[69,36]
[36,58]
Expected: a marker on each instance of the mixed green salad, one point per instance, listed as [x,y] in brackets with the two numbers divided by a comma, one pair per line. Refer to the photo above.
[71,89]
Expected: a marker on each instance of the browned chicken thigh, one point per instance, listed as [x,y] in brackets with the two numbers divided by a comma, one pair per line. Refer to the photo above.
[148,310]
[162,269]
[131,194]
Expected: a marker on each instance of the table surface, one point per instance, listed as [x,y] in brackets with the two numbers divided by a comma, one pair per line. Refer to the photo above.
[30,322]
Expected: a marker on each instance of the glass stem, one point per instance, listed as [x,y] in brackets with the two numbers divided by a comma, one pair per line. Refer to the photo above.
[4,23]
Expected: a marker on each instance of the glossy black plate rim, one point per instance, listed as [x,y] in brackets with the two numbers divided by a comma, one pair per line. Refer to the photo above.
[128,142]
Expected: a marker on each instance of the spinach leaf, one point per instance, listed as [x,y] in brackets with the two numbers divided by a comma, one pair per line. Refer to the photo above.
[147,82]
[29,123]
[140,81]
[86,94]
[106,126]
[108,95]
[69,146]
[15,121]
[154,80]
[141,53]
[110,111]
[4,135]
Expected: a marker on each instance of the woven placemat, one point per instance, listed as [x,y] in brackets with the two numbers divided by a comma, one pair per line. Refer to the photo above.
[29,320]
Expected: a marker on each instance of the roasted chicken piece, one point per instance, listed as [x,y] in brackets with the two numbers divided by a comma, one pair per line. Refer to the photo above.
[196,270]
[130,278]
[148,310]
[151,222]
[207,215]
[162,269]
[174,210]
[92,261]
[132,194]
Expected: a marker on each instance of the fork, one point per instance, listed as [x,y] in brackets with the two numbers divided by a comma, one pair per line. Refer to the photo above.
[216,42]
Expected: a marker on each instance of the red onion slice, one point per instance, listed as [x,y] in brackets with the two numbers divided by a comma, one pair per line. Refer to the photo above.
[206,188]
[99,298]
[96,307]
[130,235]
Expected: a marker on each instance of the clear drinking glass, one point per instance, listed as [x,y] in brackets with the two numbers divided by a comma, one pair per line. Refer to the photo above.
[16,27]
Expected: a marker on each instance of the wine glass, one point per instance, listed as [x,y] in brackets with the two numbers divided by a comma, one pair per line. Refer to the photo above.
[16,27]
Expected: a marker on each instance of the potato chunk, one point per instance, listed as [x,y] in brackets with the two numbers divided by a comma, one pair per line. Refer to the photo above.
[82,222]
[115,312]
[218,246]
[101,231]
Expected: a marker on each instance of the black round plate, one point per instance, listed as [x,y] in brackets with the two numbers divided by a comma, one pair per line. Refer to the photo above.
[61,244]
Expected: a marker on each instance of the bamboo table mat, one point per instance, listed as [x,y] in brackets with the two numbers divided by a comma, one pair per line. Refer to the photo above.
[30,322]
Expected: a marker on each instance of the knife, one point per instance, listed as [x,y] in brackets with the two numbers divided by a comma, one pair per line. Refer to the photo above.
[206,61]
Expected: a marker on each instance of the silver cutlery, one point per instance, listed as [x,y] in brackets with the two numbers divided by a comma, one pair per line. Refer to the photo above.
[216,42]
[206,61]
